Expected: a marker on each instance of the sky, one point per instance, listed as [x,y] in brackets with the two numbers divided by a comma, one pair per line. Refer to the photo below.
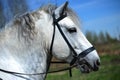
[95,15]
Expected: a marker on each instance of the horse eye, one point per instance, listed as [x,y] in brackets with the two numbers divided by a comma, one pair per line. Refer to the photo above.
[72,30]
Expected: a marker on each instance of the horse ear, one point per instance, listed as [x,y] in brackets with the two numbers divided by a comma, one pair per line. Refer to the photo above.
[61,9]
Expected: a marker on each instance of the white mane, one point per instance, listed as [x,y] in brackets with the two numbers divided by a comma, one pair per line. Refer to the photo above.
[26,40]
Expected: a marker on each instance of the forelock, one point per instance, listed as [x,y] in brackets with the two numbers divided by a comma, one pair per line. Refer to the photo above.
[70,13]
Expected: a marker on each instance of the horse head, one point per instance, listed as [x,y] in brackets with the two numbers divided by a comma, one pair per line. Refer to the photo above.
[77,49]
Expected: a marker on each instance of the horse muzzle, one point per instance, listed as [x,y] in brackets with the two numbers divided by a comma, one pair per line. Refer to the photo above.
[85,67]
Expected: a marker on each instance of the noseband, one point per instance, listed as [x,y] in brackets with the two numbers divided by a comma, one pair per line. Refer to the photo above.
[76,57]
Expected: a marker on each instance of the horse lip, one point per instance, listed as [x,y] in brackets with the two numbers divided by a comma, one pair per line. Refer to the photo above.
[98,62]
[86,67]
[95,68]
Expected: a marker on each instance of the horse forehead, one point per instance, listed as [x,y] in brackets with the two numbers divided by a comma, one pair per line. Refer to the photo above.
[67,21]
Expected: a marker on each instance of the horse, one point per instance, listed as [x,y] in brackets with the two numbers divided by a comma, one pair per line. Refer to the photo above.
[28,42]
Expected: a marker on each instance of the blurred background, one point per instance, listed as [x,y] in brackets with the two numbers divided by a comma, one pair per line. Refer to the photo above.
[100,22]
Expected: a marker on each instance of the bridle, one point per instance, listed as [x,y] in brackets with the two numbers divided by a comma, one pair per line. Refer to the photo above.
[75,59]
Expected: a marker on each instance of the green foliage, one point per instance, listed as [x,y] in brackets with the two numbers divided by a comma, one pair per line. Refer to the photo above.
[101,38]
[11,8]
[89,36]
[95,38]
[109,70]
[2,18]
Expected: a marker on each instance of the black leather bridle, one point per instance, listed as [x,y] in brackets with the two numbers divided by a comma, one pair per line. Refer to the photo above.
[75,55]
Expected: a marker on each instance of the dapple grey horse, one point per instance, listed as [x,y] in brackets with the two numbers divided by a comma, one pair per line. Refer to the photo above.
[25,43]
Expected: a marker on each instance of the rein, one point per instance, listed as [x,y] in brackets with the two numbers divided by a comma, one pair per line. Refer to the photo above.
[76,57]
[17,73]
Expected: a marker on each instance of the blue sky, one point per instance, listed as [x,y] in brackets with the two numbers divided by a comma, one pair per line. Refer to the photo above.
[95,15]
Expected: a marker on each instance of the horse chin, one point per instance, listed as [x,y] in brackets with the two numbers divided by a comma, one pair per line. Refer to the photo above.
[85,69]
[84,66]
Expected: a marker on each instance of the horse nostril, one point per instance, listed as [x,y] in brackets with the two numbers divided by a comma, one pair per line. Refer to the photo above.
[98,62]
[96,65]
[95,68]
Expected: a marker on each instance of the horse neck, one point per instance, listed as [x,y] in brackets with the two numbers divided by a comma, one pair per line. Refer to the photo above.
[29,58]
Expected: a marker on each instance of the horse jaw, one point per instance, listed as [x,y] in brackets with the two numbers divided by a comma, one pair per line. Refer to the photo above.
[92,59]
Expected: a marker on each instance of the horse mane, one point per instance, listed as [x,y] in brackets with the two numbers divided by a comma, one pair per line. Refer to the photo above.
[26,26]
[49,8]
[26,22]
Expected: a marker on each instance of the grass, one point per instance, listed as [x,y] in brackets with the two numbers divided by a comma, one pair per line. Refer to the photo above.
[109,70]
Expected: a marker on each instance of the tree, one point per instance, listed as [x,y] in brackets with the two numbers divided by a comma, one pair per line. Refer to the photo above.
[89,36]
[17,6]
[108,37]
[95,38]
[118,33]
[10,8]
[102,38]
[2,18]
